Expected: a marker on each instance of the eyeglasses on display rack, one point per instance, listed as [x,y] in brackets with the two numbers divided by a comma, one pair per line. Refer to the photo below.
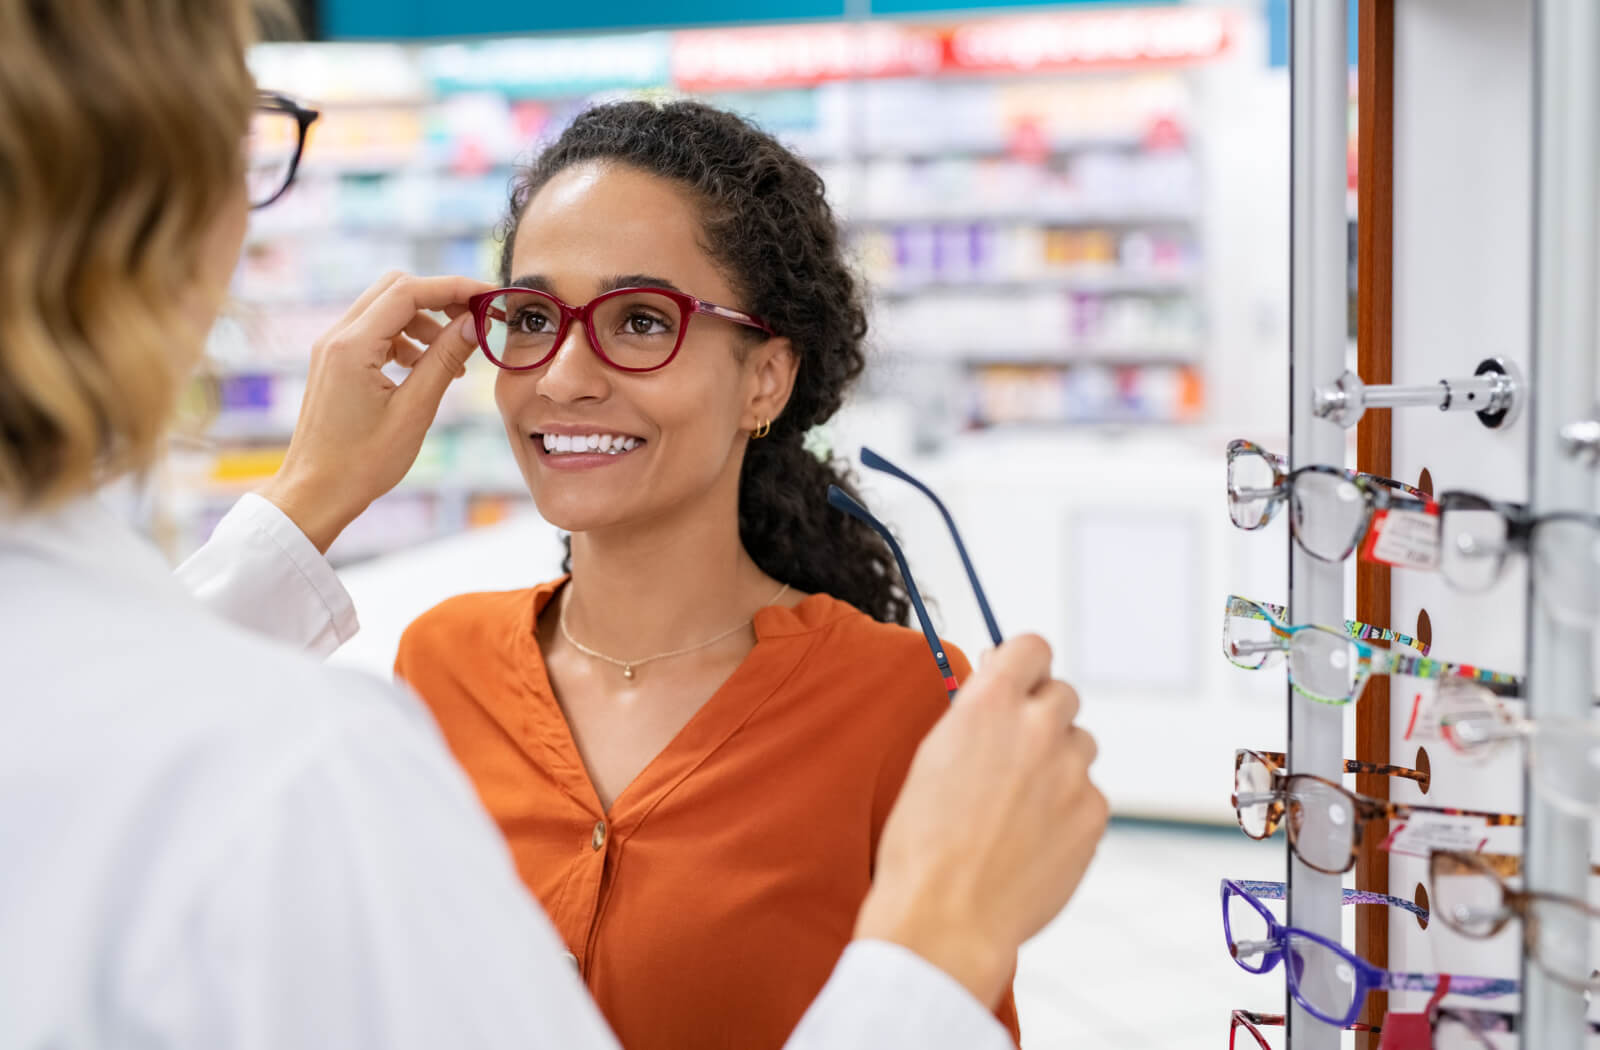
[1562,755]
[273,147]
[631,329]
[1471,897]
[842,500]
[1454,1028]
[1252,1023]
[1325,821]
[1476,535]
[1330,508]
[1277,891]
[1423,777]
[1327,980]
[1329,665]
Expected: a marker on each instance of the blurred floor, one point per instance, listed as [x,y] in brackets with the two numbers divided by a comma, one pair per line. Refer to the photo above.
[1136,962]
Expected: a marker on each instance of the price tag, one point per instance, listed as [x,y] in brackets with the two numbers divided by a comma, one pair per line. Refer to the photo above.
[1405,538]
[1425,832]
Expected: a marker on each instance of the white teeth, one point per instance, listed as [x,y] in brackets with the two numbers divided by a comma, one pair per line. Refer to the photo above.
[612,444]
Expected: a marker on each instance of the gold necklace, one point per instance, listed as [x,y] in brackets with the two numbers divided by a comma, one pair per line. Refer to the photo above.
[628,665]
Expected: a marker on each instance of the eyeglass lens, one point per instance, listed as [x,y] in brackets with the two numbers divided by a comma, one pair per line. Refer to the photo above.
[1251,491]
[1321,823]
[270,150]
[1467,899]
[639,330]
[1566,560]
[1472,545]
[1324,980]
[1252,785]
[1329,514]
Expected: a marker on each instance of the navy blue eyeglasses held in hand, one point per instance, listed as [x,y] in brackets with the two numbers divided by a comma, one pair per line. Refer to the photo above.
[842,500]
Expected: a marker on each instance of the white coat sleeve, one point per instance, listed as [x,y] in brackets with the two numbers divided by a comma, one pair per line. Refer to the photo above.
[884,997]
[260,572]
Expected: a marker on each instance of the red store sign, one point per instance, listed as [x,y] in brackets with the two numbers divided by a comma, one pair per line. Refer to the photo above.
[799,56]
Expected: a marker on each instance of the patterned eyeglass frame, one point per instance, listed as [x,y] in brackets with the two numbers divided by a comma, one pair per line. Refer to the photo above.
[1367,809]
[1368,978]
[1370,660]
[1517,905]
[1278,891]
[1379,493]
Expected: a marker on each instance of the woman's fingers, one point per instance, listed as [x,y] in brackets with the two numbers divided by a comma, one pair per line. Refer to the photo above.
[377,288]
[423,328]
[405,351]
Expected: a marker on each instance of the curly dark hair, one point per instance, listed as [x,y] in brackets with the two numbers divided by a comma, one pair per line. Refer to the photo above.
[768,225]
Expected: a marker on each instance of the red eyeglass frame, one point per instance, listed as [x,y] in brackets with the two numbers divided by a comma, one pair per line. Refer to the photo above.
[688,305]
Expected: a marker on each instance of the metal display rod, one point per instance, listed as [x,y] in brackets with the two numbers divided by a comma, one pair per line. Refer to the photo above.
[1319,79]
[1566,260]
[1495,392]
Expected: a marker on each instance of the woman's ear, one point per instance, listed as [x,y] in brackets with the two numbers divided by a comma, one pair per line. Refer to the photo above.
[771,372]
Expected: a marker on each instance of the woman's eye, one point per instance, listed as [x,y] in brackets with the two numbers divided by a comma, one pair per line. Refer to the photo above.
[531,322]
[644,324]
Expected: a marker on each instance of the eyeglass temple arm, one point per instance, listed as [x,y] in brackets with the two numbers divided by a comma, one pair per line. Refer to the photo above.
[1277,891]
[877,462]
[841,500]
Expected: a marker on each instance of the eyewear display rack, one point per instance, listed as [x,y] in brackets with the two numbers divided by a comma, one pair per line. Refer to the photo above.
[1479,197]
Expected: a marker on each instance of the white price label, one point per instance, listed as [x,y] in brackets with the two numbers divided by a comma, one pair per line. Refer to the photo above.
[1406,538]
[1423,833]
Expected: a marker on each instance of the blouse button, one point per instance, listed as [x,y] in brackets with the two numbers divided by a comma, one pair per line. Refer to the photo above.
[599,840]
[573,959]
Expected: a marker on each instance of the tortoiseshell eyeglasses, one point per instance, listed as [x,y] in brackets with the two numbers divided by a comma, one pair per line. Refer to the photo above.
[1471,896]
[1325,821]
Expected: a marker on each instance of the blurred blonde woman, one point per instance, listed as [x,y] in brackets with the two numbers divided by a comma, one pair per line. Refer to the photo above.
[210,841]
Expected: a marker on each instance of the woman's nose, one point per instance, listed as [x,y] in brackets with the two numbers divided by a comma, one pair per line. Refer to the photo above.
[575,372]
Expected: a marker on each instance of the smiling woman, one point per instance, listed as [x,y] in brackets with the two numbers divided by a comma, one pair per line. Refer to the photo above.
[692,741]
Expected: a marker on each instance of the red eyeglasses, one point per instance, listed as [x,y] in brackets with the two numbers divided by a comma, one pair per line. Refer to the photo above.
[630,329]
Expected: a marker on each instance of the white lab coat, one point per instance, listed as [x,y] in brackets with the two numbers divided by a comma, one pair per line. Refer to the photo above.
[208,840]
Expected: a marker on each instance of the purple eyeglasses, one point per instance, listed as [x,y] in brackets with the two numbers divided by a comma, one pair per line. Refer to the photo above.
[631,329]
[1326,979]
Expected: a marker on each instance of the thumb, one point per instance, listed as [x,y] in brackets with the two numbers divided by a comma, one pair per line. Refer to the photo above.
[1010,673]
[442,363]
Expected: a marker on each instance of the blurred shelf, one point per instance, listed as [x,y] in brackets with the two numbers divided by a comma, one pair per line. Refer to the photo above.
[1085,281]
[1029,217]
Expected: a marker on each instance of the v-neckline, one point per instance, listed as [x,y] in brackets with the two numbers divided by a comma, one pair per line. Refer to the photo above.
[724,712]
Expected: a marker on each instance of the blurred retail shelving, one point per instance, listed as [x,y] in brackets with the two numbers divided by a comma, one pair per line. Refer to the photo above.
[1021,194]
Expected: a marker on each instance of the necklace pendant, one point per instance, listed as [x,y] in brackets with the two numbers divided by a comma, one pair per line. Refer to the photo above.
[627,671]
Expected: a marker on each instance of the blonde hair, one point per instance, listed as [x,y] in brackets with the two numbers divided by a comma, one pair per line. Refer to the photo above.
[121,131]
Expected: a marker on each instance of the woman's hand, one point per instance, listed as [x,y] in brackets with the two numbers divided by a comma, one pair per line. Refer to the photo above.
[995,825]
[359,431]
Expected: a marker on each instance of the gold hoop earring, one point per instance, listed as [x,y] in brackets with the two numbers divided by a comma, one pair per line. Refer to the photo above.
[763,430]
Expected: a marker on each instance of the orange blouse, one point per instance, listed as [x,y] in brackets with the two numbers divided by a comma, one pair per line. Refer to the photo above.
[708,907]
